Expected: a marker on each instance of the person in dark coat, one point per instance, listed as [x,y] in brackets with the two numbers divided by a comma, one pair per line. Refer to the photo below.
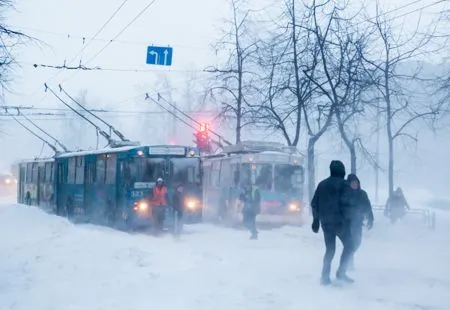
[329,204]
[361,209]
[251,198]
[178,208]
[396,205]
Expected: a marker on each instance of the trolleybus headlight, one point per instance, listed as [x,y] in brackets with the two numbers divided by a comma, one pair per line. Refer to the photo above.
[191,203]
[141,206]
[293,207]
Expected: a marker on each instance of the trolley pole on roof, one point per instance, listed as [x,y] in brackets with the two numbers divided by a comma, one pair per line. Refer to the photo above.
[42,130]
[99,130]
[57,152]
[111,127]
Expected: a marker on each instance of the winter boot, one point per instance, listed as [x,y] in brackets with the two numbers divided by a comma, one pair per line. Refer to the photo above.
[344,278]
[325,280]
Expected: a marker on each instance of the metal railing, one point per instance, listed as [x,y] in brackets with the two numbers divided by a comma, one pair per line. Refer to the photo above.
[428,217]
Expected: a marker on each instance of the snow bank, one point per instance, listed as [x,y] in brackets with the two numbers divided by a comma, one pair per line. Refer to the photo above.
[48,263]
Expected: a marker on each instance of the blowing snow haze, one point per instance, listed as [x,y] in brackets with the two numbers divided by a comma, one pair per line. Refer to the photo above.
[64,33]
[162,154]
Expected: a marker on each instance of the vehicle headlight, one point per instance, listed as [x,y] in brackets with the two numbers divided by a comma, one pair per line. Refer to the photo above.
[8,181]
[191,203]
[293,207]
[141,206]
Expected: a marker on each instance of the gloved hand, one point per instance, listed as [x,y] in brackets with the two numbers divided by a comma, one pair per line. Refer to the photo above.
[369,225]
[315,226]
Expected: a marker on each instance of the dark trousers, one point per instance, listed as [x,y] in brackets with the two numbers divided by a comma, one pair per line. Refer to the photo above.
[356,231]
[330,232]
[159,214]
[177,221]
[249,221]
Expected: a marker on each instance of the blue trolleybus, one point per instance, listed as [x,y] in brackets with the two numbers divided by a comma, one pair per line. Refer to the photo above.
[112,186]
[276,170]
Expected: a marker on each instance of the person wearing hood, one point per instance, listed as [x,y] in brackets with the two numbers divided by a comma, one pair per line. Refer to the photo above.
[396,205]
[361,209]
[330,202]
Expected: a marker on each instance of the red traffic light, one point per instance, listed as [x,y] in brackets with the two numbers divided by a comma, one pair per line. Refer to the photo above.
[204,127]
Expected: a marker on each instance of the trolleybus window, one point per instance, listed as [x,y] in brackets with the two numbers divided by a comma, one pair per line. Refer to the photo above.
[111,169]
[48,172]
[79,177]
[185,170]
[42,174]
[258,174]
[29,171]
[288,178]
[101,169]
[34,177]
[71,172]
[152,169]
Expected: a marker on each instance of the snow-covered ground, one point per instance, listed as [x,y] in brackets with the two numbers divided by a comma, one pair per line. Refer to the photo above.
[48,263]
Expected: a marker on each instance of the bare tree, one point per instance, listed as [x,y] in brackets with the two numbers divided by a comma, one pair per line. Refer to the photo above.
[340,80]
[395,96]
[233,81]
[9,40]
[283,58]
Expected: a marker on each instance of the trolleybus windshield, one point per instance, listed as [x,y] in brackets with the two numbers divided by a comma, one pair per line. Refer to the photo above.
[258,174]
[288,178]
[185,171]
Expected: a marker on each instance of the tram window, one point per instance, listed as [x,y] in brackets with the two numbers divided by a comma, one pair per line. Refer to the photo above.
[48,172]
[100,170]
[111,169]
[79,177]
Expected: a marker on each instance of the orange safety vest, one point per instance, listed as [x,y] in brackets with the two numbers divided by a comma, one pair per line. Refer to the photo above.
[159,196]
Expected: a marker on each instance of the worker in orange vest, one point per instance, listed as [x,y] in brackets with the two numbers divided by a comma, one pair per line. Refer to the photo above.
[159,203]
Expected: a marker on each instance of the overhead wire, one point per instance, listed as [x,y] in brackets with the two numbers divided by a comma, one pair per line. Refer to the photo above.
[122,31]
[100,30]
[95,35]
[170,112]
[382,14]
[116,36]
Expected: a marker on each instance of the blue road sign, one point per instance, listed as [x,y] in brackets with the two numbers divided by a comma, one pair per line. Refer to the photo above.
[158,55]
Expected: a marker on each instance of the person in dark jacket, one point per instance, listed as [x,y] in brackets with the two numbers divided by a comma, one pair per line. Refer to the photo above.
[178,209]
[396,205]
[251,198]
[361,209]
[329,204]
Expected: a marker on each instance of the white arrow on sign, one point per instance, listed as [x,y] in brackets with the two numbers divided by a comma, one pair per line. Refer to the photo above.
[165,56]
[156,56]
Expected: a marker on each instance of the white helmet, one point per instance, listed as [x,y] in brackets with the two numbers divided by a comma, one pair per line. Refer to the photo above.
[159,180]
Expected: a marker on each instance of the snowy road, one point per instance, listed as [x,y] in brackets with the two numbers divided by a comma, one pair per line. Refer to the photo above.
[48,263]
